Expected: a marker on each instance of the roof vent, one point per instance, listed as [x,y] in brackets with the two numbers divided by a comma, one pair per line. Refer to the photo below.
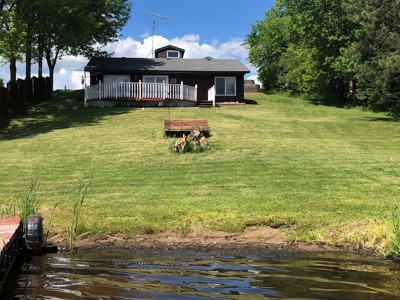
[208,58]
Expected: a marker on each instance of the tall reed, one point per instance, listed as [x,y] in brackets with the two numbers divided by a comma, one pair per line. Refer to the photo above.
[63,192]
[84,184]
[28,205]
[394,225]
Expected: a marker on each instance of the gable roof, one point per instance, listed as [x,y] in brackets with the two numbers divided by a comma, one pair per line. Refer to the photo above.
[166,65]
[169,47]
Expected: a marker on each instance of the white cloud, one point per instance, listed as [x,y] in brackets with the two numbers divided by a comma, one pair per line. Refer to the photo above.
[145,34]
[69,71]
[62,72]
[192,38]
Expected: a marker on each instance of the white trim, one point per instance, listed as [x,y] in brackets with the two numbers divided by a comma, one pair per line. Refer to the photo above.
[173,51]
[155,76]
[211,95]
[140,91]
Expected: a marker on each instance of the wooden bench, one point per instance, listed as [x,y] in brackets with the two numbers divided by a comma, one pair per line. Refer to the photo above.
[180,125]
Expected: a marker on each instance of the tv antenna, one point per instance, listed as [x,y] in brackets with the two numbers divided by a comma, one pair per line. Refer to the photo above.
[154,18]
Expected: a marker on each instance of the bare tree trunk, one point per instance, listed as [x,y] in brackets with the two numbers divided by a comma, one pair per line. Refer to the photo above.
[28,81]
[51,63]
[40,62]
[13,70]
[354,92]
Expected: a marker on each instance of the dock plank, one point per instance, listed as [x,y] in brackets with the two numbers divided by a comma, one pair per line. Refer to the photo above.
[8,227]
[11,235]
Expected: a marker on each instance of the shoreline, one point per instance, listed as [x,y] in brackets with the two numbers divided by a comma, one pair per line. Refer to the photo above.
[254,239]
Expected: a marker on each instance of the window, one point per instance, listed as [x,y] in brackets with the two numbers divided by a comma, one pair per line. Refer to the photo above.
[155,79]
[172,54]
[116,78]
[172,80]
[225,86]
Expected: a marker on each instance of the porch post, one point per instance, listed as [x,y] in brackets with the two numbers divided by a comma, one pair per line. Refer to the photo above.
[85,89]
[181,90]
[140,90]
[99,92]
[213,97]
[195,93]
[165,90]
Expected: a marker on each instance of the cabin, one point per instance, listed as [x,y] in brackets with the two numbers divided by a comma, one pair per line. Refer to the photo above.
[168,79]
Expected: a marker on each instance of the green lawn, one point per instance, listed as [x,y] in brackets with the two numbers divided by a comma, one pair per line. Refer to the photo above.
[321,173]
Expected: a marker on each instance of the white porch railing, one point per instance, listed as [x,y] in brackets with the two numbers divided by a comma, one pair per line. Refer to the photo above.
[211,95]
[141,91]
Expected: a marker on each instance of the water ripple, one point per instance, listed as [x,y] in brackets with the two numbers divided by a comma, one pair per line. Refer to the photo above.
[153,275]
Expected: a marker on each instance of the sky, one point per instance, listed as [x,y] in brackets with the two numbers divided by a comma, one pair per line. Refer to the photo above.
[215,28]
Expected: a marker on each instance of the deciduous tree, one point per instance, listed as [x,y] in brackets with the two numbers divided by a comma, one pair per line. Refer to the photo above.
[53,29]
[81,28]
[12,35]
[316,32]
[267,41]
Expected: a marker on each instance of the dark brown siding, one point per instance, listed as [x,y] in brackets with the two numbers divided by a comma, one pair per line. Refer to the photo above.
[163,54]
[204,82]
[96,78]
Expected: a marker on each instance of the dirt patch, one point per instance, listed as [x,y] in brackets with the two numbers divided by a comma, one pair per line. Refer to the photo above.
[255,238]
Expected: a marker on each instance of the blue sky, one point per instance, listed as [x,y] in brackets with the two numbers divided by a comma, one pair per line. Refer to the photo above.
[215,28]
[212,20]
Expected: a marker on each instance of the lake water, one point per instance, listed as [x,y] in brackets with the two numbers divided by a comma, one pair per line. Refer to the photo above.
[225,274]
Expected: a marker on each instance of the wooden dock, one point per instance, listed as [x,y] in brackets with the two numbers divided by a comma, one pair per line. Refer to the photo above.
[11,243]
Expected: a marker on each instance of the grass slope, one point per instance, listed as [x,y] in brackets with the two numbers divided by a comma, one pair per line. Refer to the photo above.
[322,173]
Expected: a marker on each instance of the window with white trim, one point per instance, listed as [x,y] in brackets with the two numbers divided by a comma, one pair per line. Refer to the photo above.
[155,79]
[225,86]
[108,78]
[172,54]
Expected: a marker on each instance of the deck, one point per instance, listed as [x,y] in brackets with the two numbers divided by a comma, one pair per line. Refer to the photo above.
[10,245]
[140,94]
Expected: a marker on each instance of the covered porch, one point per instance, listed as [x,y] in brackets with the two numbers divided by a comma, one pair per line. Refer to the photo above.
[140,94]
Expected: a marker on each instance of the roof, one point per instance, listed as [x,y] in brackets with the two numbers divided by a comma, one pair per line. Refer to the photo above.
[166,65]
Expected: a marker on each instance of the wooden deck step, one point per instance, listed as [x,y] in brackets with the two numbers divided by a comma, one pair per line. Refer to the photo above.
[204,103]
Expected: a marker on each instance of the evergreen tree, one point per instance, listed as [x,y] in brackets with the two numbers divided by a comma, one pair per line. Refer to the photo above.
[375,54]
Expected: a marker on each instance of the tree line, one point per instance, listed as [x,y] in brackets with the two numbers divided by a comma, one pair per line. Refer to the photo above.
[342,51]
[33,31]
